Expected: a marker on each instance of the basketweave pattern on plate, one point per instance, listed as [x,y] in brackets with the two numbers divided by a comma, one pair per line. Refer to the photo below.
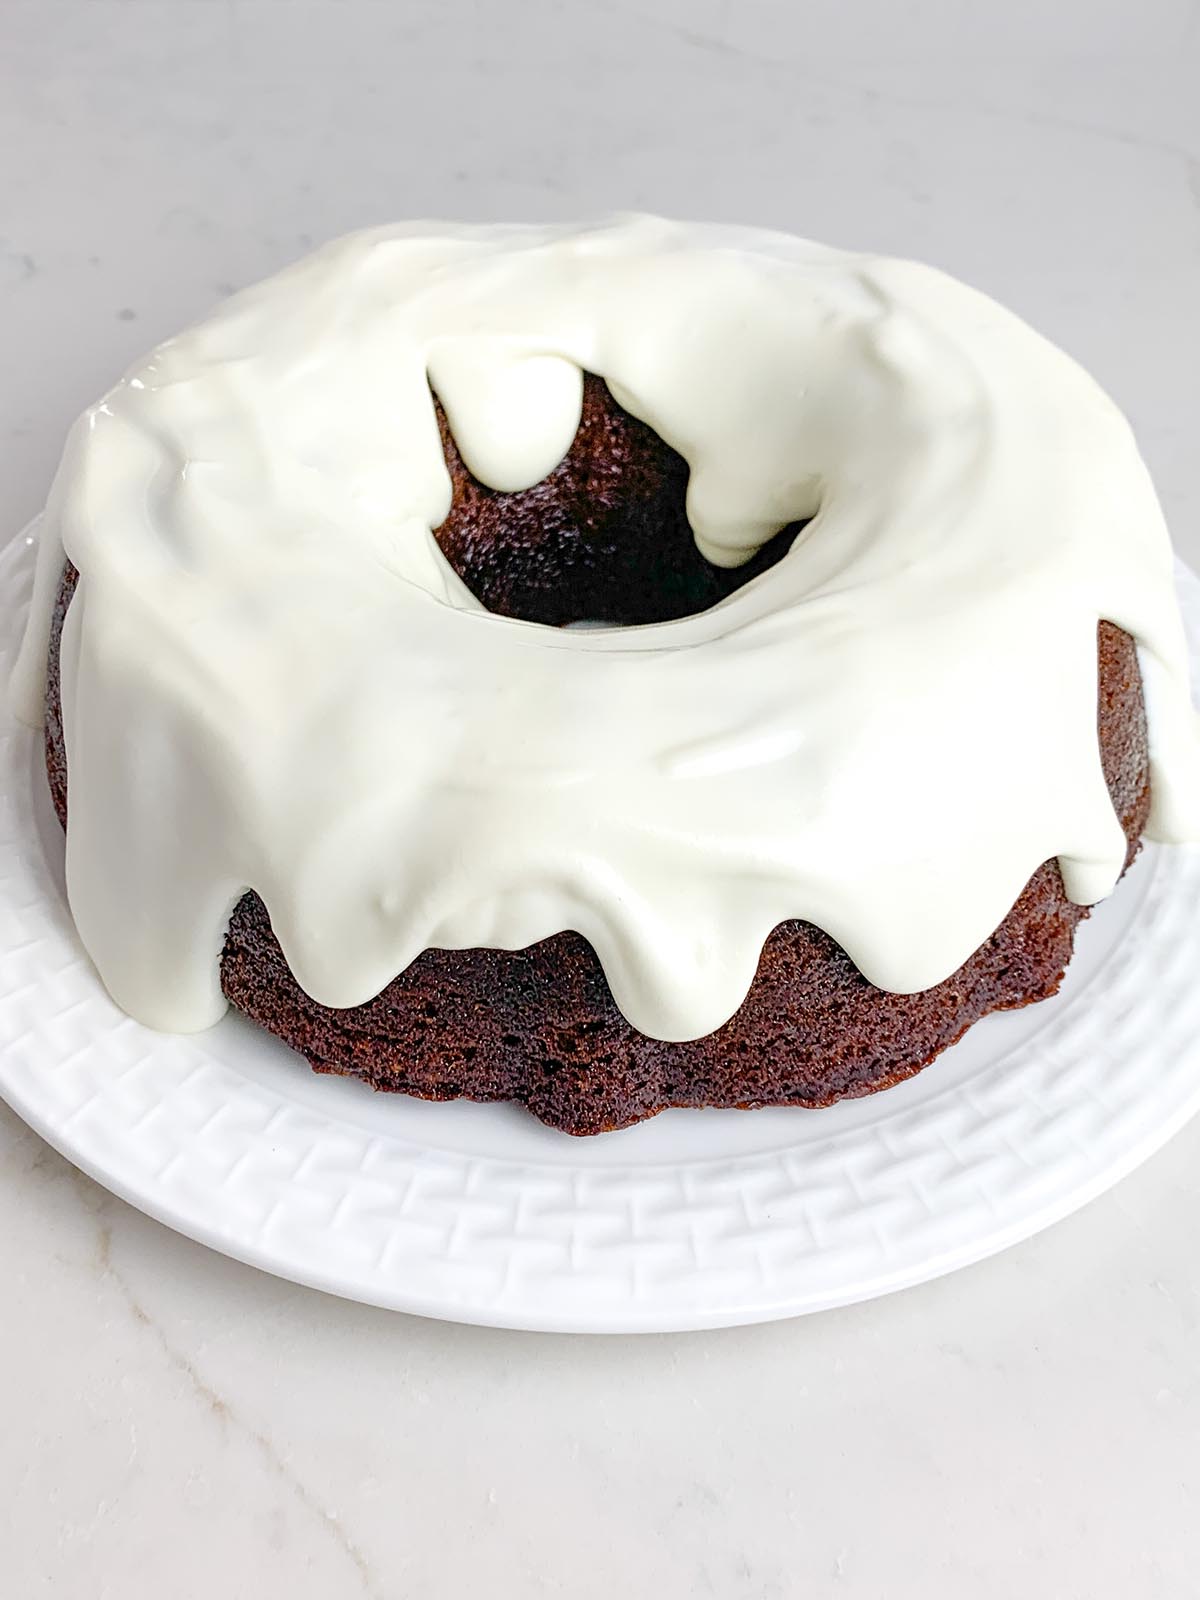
[172,1125]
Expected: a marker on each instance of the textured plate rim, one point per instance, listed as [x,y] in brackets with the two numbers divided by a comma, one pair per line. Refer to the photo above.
[169,1126]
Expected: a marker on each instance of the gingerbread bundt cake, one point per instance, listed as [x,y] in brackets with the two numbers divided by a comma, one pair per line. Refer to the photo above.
[861,736]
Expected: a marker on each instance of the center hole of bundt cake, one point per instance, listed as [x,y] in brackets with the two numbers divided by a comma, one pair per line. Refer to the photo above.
[603,538]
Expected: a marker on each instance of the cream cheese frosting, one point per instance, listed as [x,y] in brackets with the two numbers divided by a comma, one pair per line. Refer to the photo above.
[272,679]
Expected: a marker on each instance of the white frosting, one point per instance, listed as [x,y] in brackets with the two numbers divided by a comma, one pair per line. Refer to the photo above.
[272,679]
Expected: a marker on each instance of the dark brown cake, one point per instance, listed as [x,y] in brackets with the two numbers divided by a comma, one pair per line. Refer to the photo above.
[605,537]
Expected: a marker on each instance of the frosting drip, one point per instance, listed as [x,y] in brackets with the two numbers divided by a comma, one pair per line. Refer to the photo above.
[273,680]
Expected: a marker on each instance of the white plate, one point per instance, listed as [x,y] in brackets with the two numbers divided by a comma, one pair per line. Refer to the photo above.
[694,1219]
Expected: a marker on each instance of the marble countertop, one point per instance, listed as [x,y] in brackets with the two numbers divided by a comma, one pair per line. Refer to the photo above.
[179,1425]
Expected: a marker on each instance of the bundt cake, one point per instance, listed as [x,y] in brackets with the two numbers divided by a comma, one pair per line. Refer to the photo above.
[876,596]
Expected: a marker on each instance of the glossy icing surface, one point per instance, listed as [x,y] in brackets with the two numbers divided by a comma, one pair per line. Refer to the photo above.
[272,679]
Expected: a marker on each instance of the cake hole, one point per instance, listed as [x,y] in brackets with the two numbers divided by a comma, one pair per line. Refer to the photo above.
[603,539]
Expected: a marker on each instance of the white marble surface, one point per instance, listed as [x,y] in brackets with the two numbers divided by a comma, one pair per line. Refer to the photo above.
[176,1425]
